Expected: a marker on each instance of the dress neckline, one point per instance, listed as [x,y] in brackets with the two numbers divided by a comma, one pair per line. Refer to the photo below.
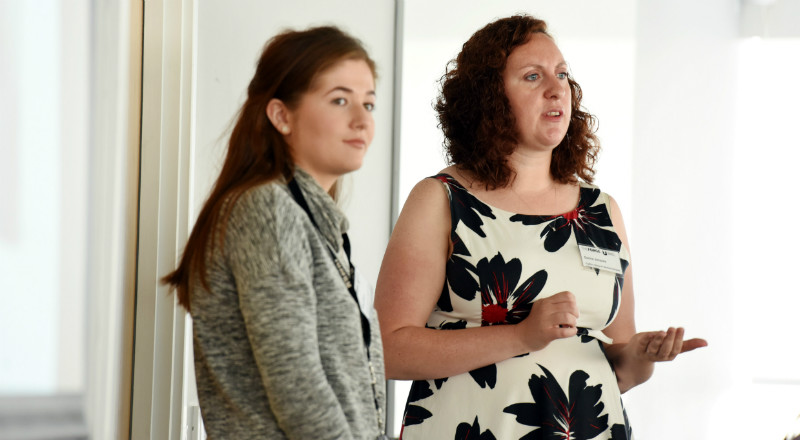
[567,215]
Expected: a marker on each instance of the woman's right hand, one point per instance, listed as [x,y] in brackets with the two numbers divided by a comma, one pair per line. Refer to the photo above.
[551,318]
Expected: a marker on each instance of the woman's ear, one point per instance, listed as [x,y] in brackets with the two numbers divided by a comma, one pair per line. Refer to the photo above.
[278,115]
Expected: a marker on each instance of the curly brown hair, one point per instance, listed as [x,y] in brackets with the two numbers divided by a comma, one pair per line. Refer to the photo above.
[474,113]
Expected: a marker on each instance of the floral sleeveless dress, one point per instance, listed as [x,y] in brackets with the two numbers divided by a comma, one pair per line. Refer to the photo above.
[501,263]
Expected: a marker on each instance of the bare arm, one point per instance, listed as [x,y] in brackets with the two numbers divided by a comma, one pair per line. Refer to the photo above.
[634,354]
[410,283]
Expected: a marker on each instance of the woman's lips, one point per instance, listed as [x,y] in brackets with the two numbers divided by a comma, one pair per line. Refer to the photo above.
[358,143]
[553,114]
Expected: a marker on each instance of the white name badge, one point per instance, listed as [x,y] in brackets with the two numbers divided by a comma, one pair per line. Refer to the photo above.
[602,259]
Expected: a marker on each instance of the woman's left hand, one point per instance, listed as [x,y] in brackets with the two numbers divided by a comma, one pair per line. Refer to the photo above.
[634,361]
[660,346]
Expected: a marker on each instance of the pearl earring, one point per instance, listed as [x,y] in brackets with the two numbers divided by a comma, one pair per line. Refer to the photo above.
[285,129]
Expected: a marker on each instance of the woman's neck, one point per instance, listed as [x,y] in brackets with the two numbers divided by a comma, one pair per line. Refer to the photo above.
[531,172]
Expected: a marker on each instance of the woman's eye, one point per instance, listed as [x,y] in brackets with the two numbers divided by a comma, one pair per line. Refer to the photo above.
[339,101]
[369,106]
[532,77]
[563,75]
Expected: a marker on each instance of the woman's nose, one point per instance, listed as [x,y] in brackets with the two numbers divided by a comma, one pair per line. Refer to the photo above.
[361,117]
[556,88]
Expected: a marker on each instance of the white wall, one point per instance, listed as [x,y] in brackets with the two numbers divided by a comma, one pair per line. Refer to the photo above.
[714,158]
[65,216]
[683,135]
[43,175]
[766,300]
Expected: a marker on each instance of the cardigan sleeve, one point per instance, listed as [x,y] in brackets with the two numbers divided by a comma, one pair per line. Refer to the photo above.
[268,250]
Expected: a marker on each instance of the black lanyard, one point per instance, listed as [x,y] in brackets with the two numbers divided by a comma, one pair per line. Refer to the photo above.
[347,276]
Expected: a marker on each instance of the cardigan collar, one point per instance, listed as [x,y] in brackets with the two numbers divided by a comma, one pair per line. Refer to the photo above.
[330,219]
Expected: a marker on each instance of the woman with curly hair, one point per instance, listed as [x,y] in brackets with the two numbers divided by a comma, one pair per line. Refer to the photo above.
[505,292]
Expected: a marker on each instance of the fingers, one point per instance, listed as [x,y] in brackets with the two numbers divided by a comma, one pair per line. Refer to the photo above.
[554,317]
[653,348]
[559,311]
[564,332]
[562,297]
[666,346]
[564,320]
[561,314]
[677,344]
[692,344]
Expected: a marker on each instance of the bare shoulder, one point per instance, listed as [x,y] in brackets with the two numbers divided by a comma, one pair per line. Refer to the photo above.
[413,267]
[424,221]
[425,215]
[613,210]
[428,194]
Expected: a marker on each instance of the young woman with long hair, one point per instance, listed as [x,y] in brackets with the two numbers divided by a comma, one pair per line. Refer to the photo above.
[283,348]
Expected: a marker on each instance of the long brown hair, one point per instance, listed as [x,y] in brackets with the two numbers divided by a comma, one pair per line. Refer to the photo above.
[257,152]
[473,110]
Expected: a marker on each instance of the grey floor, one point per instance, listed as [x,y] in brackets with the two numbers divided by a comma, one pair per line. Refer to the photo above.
[57,417]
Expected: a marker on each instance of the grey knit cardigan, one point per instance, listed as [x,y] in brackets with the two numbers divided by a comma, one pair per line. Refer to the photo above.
[279,352]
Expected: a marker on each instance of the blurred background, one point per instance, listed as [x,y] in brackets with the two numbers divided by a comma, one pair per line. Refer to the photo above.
[113,122]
